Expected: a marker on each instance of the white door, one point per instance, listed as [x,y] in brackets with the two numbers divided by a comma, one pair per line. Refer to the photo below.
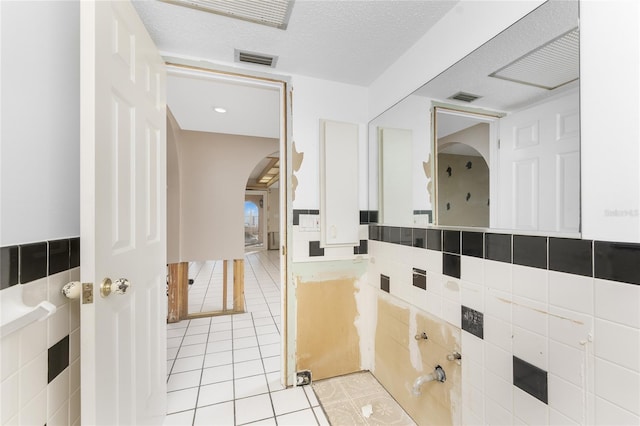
[539,167]
[123,231]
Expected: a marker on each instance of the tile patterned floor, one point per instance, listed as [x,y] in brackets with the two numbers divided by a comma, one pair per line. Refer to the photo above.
[226,370]
[344,397]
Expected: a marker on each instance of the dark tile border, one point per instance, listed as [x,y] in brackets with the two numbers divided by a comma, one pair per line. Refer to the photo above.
[298,212]
[497,247]
[473,244]
[617,261]
[24,263]
[451,241]
[451,265]
[571,256]
[315,250]
[530,251]
[58,358]
[531,379]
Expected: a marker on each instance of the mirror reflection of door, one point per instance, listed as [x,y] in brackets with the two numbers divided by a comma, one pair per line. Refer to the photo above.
[463,147]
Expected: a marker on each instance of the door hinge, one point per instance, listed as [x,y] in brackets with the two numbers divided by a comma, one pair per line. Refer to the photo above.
[87,293]
[284,250]
[498,143]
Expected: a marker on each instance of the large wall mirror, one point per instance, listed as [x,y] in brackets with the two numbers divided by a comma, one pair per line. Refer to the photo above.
[493,141]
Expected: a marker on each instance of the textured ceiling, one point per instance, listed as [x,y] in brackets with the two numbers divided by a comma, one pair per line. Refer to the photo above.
[340,40]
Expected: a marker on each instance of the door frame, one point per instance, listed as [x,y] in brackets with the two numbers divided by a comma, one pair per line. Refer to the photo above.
[287,291]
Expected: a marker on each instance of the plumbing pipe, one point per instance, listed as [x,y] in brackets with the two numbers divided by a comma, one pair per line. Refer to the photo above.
[437,375]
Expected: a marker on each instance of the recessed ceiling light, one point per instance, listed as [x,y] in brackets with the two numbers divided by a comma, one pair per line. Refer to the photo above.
[219,110]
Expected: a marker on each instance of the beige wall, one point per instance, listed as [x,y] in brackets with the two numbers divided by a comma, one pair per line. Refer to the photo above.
[213,173]
[173,190]
[454,189]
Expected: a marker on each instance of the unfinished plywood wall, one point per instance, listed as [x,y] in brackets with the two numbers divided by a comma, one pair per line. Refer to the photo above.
[400,359]
[328,343]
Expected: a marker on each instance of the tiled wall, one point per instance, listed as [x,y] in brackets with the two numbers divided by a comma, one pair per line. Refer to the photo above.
[40,364]
[551,326]
[306,238]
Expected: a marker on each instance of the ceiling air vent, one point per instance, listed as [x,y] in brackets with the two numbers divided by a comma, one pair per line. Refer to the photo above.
[464,97]
[255,58]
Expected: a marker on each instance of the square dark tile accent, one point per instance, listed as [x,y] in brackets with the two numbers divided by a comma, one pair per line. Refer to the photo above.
[473,244]
[314,249]
[8,266]
[420,278]
[394,234]
[363,248]
[33,262]
[298,212]
[58,256]
[375,232]
[384,283]
[451,265]
[571,256]
[617,261]
[530,251]
[364,217]
[434,239]
[451,241]
[373,216]
[74,258]
[58,356]
[472,321]
[497,247]
[406,236]
[420,237]
[530,379]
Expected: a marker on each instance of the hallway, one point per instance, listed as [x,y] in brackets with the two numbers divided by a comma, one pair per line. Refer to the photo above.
[226,370]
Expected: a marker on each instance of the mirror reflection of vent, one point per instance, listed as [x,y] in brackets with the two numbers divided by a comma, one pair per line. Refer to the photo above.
[550,66]
[464,97]
[255,58]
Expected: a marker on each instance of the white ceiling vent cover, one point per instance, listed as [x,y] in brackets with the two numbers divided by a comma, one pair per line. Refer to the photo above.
[273,13]
[550,66]
[255,58]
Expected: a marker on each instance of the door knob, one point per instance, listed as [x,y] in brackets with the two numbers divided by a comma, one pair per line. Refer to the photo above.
[119,286]
[72,290]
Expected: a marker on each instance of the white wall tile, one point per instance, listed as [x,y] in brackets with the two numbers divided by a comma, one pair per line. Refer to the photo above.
[498,304]
[559,419]
[472,403]
[472,348]
[532,283]
[74,407]
[530,315]
[573,292]
[497,275]
[35,411]
[529,409]
[472,295]
[434,261]
[472,269]
[451,289]
[57,392]
[618,302]
[9,401]
[608,414]
[572,328]
[498,390]
[9,355]
[530,347]
[498,332]
[74,274]
[496,414]
[60,417]
[617,343]
[433,304]
[567,398]
[451,312]
[569,363]
[33,379]
[472,373]
[74,345]
[499,362]
[618,385]
[435,283]
[35,292]
[33,341]
[58,325]
[74,376]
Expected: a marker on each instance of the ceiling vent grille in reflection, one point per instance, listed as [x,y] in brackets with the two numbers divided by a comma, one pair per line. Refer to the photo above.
[255,58]
[273,13]
[550,66]
[464,97]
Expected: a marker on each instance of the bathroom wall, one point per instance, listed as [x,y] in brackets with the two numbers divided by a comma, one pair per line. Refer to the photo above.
[39,208]
[550,326]
[213,171]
